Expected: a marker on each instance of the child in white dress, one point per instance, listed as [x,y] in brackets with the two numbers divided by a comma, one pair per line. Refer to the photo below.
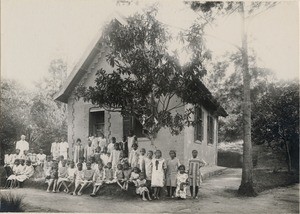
[134,156]
[26,174]
[126,172]
[158,174]
[141,187]
[135,174]
[98,179]
[109,174]
[182,182]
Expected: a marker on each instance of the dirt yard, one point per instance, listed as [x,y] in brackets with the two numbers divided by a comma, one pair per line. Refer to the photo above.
[217,195]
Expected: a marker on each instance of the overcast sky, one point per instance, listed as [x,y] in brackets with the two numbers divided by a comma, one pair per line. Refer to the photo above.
[34,32]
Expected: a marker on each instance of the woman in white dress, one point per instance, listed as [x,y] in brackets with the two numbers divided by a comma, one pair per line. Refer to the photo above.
[158,174]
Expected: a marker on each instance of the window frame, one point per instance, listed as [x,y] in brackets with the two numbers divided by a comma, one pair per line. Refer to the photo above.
[199,127]
[210,130]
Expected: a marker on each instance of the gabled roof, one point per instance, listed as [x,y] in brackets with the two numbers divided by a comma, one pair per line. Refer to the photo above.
[91,52]
[86,59]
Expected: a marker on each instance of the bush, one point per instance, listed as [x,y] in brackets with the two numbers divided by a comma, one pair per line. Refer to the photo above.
[11,203]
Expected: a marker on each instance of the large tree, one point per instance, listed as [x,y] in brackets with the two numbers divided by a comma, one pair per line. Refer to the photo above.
[246,12]
[147,76]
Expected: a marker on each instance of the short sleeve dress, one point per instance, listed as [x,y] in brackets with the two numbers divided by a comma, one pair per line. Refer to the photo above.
[158,176]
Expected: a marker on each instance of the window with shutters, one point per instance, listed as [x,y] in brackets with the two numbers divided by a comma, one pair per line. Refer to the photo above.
[210,129]
[131,123]
[199,125]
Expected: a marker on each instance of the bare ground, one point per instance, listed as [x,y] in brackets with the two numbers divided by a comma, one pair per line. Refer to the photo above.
[217,195]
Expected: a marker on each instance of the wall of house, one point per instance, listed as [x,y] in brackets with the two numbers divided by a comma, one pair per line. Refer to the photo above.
[208,152]
[183,144]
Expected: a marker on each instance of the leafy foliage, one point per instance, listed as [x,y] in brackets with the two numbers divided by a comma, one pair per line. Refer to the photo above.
[34,114]
[146,77]
[276,119]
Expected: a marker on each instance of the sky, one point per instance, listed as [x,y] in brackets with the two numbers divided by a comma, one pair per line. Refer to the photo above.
[34,32]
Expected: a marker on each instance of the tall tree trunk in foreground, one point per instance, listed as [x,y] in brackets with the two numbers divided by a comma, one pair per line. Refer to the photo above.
[246,187]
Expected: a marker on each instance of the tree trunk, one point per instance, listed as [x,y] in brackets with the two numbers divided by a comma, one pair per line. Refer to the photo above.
[289,161]
[246,187]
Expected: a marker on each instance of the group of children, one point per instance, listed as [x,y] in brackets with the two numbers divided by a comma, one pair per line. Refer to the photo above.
[100,163]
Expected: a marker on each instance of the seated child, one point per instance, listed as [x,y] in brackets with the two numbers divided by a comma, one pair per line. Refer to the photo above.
[135,174]
[119,176]
[86,180]
[109,174]
[122,158]
[53,177]
[182,182]
[47,166]
[70,177]
[98,179]
[12,177]
[62,174]
[141,187]
[126,172]
[78,177]
[8,164]
[26,174]
[19,171]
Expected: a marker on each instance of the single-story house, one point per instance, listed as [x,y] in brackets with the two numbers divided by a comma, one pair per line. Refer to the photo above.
[85,119]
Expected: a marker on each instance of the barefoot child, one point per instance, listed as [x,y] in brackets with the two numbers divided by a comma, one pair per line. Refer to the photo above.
[62,174]
[194,173]
[141,187]
[70,177]
[119,175]
[158,174]
[98,179]
[182,182]
[88,175]
[172,170]
[142,158]
[148,168]
[135,174]
[134,156]
[78,177]
[53,177]
[126,173]
[109,174]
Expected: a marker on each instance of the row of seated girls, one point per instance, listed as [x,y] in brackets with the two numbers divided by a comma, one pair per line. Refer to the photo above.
[149,174]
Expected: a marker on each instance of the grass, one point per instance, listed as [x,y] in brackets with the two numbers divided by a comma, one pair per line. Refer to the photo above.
[11,203]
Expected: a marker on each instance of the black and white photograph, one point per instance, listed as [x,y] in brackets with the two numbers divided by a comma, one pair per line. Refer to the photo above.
[149,106]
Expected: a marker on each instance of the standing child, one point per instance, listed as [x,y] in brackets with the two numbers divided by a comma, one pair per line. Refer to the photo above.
[182,182]
[53,177]
[119,175]
[88,150]
[104,156]
[115,156]
[78,151]
[172,169]
[141,187]
[111,146]
[148,167]
[97,154]
[124,146]
[98,179]
[194,173]
[158,174]
[40,158]
[142,158]
[134,156]
[109,174]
